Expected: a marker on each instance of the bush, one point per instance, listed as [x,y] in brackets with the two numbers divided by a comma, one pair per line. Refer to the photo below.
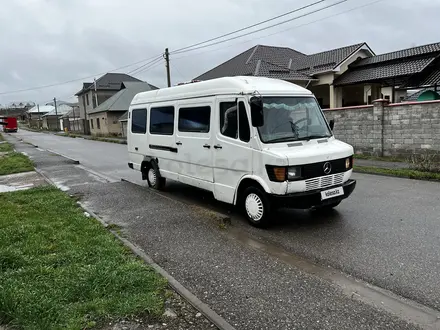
[427,162]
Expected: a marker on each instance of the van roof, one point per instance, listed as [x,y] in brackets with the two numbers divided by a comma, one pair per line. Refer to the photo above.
[222,86]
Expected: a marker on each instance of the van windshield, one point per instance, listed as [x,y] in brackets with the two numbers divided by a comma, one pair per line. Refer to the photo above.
[292,119]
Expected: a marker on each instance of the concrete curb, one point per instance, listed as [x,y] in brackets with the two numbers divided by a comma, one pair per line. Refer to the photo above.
[74,161]
[212,316]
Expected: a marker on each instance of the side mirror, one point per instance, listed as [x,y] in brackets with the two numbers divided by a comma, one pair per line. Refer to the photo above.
[332,124]
[257,115]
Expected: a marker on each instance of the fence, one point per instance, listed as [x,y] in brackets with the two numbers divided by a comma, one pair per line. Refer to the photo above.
[384,129]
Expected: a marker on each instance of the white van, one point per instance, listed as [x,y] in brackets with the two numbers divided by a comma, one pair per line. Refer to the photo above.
[258,143]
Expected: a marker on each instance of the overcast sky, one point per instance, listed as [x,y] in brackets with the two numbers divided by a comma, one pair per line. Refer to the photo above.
[44,42]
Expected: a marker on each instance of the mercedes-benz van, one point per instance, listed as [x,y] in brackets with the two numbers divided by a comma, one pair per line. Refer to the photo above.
[258,143]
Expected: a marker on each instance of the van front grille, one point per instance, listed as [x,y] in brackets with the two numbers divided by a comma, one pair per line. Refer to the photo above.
[324,181]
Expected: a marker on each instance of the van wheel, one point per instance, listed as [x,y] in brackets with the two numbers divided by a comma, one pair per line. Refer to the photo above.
[154,179]
[256,207]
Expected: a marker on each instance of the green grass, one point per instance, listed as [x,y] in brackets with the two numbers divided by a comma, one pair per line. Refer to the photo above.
[384,158]
[6,147]
[403,173]
[62,270]
[15,162]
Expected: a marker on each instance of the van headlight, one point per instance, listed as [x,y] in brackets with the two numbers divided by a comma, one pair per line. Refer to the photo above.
[349,163]
[293,173]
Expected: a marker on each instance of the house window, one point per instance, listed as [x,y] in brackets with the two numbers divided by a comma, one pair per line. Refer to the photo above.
[94,101]
[194,119]
[228,119]
[98,124]
[91,123]
[243,122]
[139,121]
[87,99]
[162,121]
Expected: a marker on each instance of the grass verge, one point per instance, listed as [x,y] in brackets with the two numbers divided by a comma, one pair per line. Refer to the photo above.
[402,173]
[62,270]
[384,158]
[15,162]
[6,147]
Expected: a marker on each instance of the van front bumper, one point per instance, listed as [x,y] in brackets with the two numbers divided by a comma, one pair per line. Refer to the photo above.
[309,199]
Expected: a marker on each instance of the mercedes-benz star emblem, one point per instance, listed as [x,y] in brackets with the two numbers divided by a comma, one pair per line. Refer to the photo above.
[327,168]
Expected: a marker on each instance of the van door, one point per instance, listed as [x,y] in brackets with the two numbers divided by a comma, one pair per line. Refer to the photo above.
[232,150]
[136,135]
[194,143]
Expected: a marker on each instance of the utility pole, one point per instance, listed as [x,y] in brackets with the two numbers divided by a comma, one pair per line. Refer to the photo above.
[39,117]
[56,111]
[167,64]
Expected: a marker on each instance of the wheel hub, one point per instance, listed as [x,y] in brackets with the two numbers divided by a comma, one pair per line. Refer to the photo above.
[254,207]
[152,176]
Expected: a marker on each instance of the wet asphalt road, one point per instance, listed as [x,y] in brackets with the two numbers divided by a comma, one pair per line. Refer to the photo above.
[387,233]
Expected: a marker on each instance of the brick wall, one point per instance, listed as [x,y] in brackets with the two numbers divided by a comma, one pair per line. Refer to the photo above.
[389,129]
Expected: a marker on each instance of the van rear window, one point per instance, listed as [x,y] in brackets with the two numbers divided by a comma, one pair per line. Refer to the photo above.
[162,121]
[194,119]
[139,121]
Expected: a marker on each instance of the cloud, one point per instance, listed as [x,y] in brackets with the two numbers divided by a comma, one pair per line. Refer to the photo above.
[49,41]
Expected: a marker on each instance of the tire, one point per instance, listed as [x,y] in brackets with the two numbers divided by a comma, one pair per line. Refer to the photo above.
[256,207]
[154,179]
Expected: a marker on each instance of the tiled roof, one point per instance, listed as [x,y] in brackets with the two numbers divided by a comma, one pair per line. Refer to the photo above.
[387,70]
[258,59]
[109,81]
[292,65]
[122,99]
[327,60]
[400,54]
[432,79]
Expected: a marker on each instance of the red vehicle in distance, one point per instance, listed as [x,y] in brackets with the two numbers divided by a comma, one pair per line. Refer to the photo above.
[9,124]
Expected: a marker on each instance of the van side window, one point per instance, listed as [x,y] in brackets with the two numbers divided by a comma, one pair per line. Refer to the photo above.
[245,130]
[139,121]
[162,121]
[228,119]
[194,119]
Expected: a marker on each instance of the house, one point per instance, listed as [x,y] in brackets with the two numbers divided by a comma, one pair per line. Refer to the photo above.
[123,120]
[346,76]
[53,120]
[104,119]
[106,86]
[35,114]
[72,120]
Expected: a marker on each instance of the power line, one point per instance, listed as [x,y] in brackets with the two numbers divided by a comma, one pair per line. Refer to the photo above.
[144,65]
[73,80]
[265,28]
[278,32]
[153,65]
[249,27]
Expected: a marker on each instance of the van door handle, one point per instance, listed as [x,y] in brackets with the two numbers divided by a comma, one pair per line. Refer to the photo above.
[207,146]
[217,146]
[136,148]
[179,143]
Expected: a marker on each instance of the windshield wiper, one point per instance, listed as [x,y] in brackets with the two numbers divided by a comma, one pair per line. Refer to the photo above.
[283,139]
[310,137]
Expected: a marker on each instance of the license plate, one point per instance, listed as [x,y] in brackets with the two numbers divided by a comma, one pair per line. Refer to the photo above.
[335,192]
